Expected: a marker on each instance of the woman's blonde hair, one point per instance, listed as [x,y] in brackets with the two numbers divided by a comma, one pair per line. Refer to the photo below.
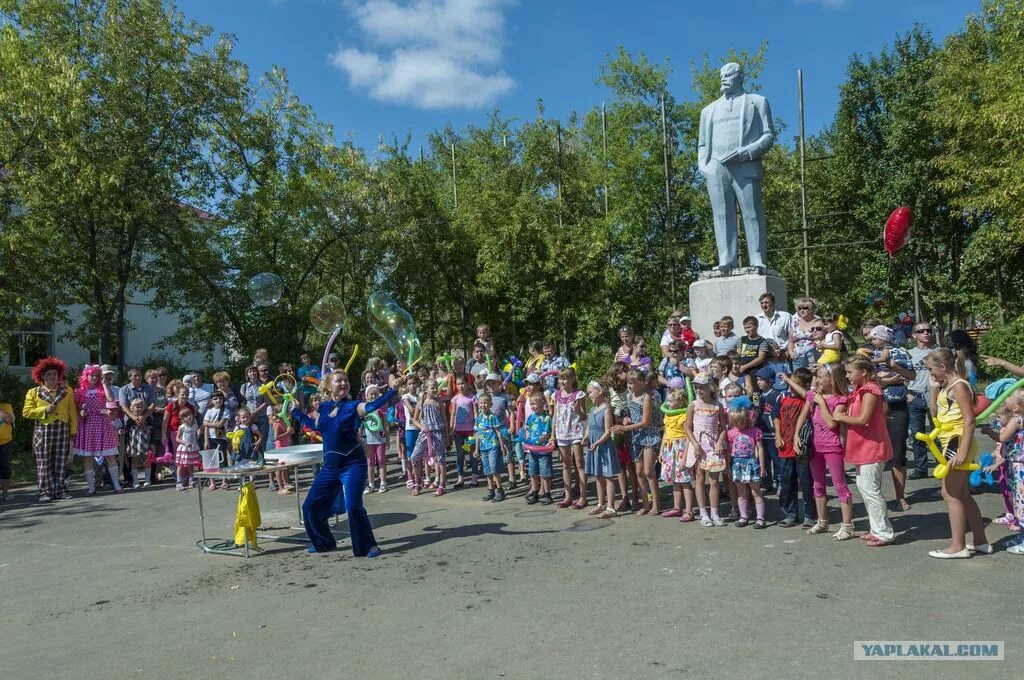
[945,357]
[325,383]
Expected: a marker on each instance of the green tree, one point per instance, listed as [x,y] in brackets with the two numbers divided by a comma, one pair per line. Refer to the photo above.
[101,111]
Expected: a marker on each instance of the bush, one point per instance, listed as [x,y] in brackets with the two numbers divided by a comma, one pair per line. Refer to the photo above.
[12,391]
[591,365]
[1006,342]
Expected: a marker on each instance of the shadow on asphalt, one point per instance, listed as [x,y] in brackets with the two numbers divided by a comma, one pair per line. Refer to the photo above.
[432,535]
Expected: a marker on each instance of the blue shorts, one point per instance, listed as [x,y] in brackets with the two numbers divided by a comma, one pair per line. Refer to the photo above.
[410,441]
[491,459]
[539,465]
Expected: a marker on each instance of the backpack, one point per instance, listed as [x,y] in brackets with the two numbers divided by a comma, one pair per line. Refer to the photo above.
[806,437]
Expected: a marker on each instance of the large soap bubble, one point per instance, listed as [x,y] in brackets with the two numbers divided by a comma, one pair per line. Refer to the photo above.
[327,314]
[265,289]
[396,326]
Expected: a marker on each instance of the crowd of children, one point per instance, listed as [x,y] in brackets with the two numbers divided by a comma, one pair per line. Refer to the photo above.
[739,426]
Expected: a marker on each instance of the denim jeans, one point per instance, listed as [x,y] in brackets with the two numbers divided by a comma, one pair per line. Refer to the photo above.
[772,473]
[796,476]
[461,453]
[918,423]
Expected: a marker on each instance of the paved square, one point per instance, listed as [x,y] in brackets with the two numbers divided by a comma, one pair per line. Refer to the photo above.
[114,587]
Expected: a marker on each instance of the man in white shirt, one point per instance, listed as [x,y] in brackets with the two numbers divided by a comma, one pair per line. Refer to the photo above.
[772,324]
[199,397]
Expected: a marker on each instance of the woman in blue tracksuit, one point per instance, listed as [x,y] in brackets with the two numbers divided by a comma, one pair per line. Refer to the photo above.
[344,468]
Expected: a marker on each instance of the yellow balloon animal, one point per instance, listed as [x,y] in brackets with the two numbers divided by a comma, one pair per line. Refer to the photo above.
[942,466]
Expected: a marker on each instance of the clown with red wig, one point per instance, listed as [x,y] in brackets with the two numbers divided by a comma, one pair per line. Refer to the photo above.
[96,437]
[52,405]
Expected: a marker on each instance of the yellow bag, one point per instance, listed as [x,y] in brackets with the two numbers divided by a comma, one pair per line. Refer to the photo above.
[248,519]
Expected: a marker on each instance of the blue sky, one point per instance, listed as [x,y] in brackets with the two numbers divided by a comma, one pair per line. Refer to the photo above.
[385,67]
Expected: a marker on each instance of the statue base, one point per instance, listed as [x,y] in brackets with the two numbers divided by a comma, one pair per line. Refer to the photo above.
[732,292]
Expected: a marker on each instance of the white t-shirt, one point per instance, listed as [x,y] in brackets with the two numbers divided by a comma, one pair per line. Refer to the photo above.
[200,398]
[409,403]
[212,416]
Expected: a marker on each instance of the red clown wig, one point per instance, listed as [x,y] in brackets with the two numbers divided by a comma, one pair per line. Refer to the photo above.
[48,364]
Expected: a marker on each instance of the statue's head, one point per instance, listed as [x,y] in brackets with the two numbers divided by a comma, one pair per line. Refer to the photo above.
[731,78]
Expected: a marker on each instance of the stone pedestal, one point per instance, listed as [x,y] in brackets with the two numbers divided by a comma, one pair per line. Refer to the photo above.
[733,293]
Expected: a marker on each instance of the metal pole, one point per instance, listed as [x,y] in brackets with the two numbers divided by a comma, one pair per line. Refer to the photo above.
[558,168]
[455,185]
[604,159]
[803,184]
[668,193]
[664,145]
[917,295]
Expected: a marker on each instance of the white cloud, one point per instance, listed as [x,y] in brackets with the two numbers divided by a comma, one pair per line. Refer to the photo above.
[431,54]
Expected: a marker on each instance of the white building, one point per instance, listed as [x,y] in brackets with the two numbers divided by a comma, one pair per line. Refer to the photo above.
[146,327]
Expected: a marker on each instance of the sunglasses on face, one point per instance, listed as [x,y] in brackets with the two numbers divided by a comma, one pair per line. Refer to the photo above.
[923,330]
[803,309]
[817,328]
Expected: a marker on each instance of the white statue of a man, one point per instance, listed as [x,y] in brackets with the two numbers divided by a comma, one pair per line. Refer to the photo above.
[735,131]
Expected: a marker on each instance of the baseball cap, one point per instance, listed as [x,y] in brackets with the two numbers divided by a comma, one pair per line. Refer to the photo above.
[533,378]
[492,377]
[332,355]
[106,369]
[700,343]
[765,373]
[685,318]
[702,379]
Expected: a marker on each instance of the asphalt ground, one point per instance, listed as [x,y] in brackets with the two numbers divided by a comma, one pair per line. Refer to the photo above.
[113,586]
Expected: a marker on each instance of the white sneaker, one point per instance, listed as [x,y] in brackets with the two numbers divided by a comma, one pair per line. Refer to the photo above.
[368,489]
[1017,549]
[383,487]
[147,483]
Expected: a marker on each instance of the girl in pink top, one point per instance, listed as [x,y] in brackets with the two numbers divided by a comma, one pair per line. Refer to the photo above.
[463,422]
[828,396]
[868,445]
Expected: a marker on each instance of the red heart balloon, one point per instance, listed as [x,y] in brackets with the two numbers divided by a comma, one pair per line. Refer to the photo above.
[897,229]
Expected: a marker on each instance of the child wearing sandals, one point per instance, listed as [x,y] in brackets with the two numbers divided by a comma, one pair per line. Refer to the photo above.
[137,446]
[1010,457]
[676,465]
[747,455]
[430,445]
[828,396]
[601,460]
[618,402]
[569,415]
[376,441]
[705,421]
[489,448]
[646,436]
[1009,460]
[187,455]
[463,417]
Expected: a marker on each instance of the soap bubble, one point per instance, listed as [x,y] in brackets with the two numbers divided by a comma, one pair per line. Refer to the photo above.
[265,289]
[327,314]
[395,325]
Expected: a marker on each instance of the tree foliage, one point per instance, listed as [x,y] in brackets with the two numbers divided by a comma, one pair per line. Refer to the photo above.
[143,160]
